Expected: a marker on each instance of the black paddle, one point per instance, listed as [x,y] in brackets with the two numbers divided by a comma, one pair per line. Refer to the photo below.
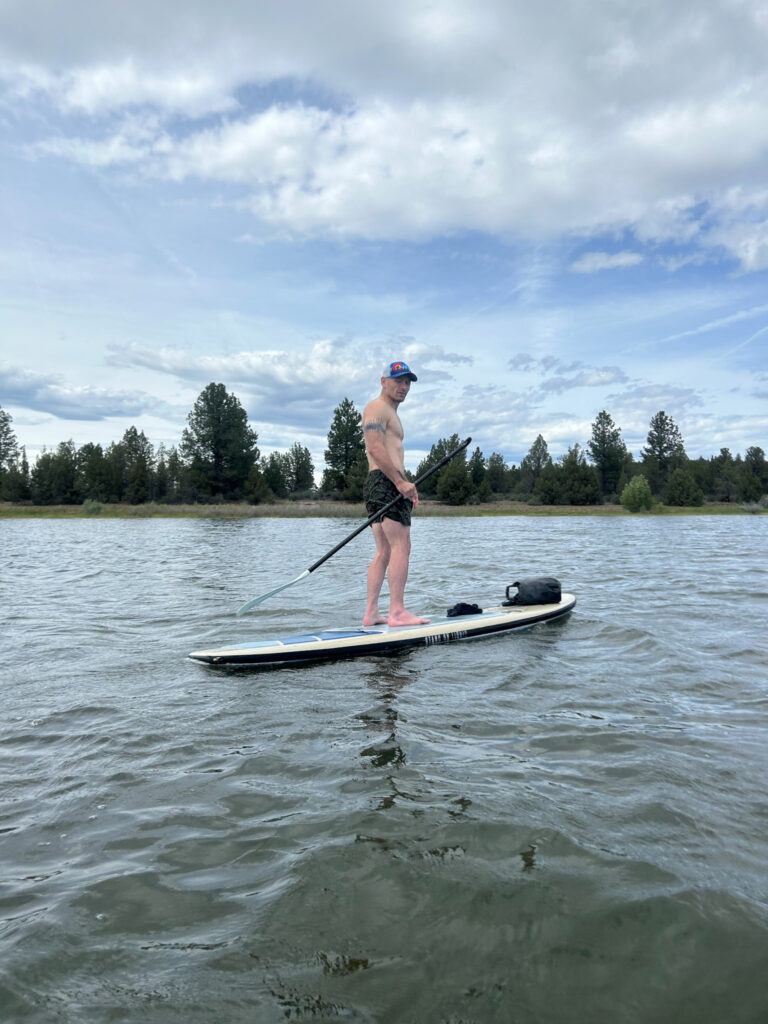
[372,519]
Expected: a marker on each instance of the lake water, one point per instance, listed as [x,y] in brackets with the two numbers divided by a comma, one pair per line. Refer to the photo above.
[566,824]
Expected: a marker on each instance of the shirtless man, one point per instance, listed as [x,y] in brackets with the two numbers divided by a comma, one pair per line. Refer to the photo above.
[386,478]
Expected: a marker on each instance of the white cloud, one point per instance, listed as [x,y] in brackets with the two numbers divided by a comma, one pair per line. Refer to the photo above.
[500,139]
[559,375]
[53,394]
[104,88]
[426,120]
[747,242]
[279,387]
[591,262]
[724,321]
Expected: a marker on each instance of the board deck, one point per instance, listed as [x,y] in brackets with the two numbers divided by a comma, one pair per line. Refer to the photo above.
[357,641]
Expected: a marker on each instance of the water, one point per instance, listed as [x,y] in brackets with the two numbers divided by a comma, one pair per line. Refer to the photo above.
[561,825]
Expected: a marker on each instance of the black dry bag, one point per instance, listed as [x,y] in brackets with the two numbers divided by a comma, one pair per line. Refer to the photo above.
[534,590]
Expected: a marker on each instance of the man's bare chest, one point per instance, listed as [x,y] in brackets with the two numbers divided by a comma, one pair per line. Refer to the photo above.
[395,428]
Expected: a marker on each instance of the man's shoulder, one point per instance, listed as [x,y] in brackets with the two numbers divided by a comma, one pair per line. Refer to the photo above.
[377,409]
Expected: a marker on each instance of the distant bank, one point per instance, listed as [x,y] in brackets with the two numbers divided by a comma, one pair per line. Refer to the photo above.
[346,510]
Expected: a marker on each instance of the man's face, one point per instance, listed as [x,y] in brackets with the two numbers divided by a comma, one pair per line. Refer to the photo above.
[396,388]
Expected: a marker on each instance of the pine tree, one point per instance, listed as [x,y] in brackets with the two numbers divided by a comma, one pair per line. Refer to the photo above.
[437,452]
[355,479]
[277,473]
[548,489]
[754,475]
[725,476]
[533,464]
[476,466]
[683,490]
[302,469]
[345,445]
[54,477]
[93,472]
[455,486]
[579,481]
[608,452]
[9,446]
[14,482]
[665,451]
[218,446]
[138,466]
[497,473]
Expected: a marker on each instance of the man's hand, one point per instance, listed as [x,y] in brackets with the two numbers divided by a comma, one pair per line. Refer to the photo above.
[408,490]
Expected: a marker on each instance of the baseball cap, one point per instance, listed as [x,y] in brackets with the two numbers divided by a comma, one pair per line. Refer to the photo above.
[399,369]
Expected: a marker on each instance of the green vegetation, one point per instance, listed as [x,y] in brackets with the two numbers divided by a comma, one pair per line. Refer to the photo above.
[218,448]
[345,454]
[636,496]
[217,469]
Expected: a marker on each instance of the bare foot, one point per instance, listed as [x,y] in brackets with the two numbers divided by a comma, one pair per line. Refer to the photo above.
[406,619]
[376,619]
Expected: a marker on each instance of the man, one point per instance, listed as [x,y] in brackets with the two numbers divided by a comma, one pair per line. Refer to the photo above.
[386,479]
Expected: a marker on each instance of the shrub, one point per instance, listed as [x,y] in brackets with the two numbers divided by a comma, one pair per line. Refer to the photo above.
[636,496]
[683,489]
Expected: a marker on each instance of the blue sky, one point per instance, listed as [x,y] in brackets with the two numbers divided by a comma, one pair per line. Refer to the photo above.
[547,210]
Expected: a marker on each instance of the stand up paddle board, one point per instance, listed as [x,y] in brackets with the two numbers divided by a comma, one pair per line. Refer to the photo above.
[363,640]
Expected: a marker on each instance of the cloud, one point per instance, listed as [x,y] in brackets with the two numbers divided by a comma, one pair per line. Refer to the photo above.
[561,375]
[497,418]
[633,408]
[280,387]
[104,88]
[54,395]
[748,243]
[724,321]
[517,148]
[705,435]
[523,362]
[589,377]
[397,124]
[591,262]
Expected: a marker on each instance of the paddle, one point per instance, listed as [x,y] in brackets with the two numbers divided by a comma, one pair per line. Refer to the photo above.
[372,519]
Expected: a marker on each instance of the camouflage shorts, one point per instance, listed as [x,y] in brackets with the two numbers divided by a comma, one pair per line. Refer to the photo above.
[378,490]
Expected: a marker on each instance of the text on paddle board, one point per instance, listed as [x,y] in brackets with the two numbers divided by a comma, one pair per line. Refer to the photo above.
[445,638]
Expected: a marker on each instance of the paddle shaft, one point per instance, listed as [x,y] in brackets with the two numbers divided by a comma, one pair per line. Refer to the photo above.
[382,511]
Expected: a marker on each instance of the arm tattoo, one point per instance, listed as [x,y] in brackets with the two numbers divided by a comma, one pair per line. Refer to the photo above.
[375,425]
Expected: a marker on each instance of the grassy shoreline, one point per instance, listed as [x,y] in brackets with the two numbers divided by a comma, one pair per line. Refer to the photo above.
[343,510]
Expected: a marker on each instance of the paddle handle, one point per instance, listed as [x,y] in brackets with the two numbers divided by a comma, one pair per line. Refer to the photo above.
[382,511]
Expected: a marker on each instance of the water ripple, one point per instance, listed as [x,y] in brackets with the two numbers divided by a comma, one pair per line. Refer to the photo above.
[558,825]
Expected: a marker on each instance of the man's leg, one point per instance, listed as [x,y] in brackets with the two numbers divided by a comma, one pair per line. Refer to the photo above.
[376,572]
[399,538]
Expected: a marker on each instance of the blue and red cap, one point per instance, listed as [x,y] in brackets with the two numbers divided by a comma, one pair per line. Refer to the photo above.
[399,369]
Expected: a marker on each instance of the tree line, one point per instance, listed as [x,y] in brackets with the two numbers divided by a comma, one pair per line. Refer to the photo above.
[604,470]
[218,460]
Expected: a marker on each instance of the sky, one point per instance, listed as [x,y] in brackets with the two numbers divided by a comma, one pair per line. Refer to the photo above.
[546,209]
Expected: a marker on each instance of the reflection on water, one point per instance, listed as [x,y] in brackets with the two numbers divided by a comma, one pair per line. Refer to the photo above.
[564,824]
[385,679]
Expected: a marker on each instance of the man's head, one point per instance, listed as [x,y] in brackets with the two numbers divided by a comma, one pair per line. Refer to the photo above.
[396,381]
[398,369]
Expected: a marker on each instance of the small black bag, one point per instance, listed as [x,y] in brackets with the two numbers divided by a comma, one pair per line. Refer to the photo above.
[463,609]
[535,590]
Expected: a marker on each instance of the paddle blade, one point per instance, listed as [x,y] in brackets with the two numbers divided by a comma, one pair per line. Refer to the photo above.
[257,600]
